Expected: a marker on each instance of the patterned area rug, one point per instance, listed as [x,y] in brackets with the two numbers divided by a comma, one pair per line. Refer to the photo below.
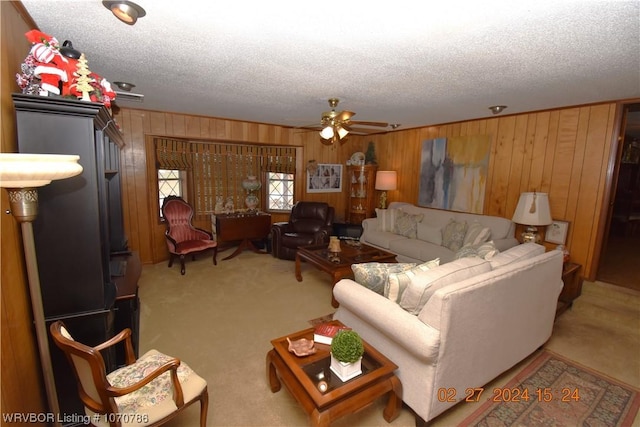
[554,391]
[325,318]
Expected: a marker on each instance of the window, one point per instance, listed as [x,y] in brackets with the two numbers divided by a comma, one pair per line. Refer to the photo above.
[169,184]
[214,172]
[280,191]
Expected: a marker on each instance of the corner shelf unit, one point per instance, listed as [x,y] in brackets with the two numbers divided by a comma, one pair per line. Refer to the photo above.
[361,182]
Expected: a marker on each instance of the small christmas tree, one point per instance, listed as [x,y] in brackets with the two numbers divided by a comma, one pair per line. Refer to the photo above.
[83,83]
[370,155]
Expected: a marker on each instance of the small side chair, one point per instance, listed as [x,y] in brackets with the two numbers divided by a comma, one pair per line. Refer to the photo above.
[145,392]
[182,237]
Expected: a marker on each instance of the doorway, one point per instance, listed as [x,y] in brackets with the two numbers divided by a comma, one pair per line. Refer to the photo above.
[620,257]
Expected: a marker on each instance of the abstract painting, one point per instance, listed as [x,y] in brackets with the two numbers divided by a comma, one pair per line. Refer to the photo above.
[453,173]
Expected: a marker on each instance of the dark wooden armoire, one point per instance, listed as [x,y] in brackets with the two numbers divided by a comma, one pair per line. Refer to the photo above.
[88,277]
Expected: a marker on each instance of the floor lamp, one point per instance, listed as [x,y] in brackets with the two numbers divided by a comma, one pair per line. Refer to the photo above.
[21,174]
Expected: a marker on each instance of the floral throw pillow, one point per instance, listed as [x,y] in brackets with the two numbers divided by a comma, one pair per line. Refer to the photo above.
[374,275]
[453,234]
[407,224]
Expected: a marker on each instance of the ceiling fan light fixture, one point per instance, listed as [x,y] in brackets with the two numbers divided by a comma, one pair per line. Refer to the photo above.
[342,132]
[327,132]
[126,11]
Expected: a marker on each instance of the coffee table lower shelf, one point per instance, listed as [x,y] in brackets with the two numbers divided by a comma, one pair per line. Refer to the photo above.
[342,399]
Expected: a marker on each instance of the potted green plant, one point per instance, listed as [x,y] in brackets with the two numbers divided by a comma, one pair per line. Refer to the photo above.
[346,354]
[370,155]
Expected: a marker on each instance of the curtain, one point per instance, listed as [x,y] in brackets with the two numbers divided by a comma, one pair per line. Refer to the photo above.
[172,154]
[216,169]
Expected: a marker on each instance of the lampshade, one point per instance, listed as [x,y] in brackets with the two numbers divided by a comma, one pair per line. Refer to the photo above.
[386,180]
[22,170]
[533,209]
[333,132]
[327,133]
[342,132]
[126,11]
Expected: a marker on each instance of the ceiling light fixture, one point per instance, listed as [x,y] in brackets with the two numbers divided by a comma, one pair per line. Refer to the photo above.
[497,109]
[333,127]
[126,11]
[125,85]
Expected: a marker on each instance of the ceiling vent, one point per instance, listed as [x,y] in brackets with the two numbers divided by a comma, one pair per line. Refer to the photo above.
[128,96]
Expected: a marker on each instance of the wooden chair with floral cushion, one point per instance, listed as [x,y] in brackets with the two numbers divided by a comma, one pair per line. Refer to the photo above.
[148,391]
[181,236]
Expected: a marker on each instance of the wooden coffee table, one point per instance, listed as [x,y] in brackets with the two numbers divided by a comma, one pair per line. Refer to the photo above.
[339,266]
[301,376]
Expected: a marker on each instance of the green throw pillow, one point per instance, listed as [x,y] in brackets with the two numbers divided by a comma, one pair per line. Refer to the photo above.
[374,275]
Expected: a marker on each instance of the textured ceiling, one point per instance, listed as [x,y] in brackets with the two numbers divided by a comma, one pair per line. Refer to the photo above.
[408,62]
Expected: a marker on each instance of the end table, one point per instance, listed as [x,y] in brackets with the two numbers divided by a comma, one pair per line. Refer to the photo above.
[572,286]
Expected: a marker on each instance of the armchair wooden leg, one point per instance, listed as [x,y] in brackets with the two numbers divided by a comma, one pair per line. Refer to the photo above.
[215,254]
[170,260]
[204,408]
[182,264]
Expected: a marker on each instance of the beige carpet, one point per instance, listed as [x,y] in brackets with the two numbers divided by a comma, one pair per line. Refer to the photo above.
[220,320]
[619,263]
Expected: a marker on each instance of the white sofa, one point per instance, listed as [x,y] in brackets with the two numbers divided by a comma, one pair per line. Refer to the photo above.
[427,243]
[483,318]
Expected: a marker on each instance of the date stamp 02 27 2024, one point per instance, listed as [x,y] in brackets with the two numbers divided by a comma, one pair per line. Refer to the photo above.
[512,394]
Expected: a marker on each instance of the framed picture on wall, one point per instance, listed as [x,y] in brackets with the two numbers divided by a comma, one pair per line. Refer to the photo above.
[557,232]
[327,178]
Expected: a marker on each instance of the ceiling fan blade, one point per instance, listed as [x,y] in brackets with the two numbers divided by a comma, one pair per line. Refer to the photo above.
[378,124]
[345,115]
[366,131]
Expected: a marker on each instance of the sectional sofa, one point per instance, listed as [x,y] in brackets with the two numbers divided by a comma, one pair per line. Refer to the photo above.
[418,234]
[454,327]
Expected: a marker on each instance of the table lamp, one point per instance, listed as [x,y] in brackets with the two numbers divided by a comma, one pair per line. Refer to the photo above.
[385,180]
[21,174]
[532,210]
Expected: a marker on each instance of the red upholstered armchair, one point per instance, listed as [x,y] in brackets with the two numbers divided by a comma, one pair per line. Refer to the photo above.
[182,237]
[310,223]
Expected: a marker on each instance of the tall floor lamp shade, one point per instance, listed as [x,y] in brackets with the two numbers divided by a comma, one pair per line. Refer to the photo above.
[21,174]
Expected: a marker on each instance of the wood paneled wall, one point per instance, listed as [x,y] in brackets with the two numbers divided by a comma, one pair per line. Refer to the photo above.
[145,232]
[22,387]
[563,152]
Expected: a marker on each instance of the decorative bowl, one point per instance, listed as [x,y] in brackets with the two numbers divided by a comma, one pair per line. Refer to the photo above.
[301,347]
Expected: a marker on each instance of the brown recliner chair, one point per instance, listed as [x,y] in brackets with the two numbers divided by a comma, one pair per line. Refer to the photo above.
[310,223]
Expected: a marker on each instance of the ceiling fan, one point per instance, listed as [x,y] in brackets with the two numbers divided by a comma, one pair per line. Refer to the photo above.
[336,125]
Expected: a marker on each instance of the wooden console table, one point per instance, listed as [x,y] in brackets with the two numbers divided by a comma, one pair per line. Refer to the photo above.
[242,227]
